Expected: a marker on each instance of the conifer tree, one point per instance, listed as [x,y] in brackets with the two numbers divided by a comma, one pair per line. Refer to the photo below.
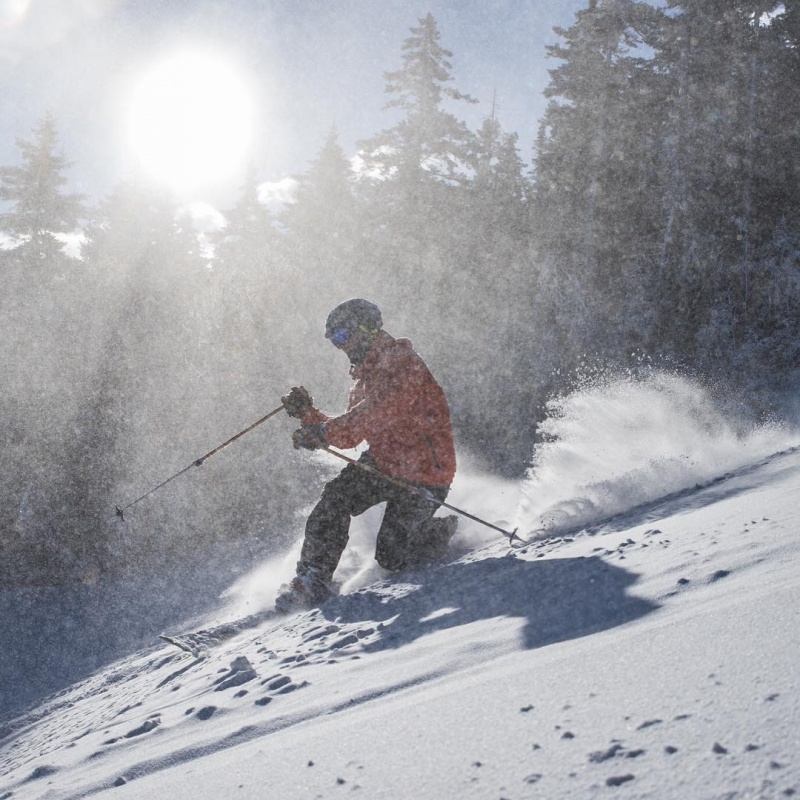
[40,206]
[666,192]
[593,160]
[152,340]
[414,167]
[247,284]
[489,258]
[500,187]
[324,207]
[45,313]
[412,172]
[428,142]
[719,176]
[249,237]
[322,222]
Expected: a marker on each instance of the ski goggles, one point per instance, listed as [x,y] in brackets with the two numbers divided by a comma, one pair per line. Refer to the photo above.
[339,336]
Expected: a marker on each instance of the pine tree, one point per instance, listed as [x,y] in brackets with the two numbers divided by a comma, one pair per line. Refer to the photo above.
[412,172]
[719,171]
[500,189]
[429,142]
[666,191]
[249,235]
[44,358]
[414,167]
[593,162]
[323,224]
[40,206]
[247,284]
[489,258]
[324,206]
[151,391]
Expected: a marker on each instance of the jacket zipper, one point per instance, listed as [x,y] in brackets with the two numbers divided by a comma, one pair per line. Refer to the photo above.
[433,453]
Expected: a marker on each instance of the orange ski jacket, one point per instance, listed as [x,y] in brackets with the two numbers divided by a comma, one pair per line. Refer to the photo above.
[399,409]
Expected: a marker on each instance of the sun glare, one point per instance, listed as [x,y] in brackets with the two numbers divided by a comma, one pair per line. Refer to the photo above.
[190,121]
[12,12]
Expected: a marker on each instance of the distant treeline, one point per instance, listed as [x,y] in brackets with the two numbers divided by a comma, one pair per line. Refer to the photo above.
[658,219]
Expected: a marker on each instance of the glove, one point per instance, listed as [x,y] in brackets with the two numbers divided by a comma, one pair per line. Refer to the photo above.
[298,402]
[309,437]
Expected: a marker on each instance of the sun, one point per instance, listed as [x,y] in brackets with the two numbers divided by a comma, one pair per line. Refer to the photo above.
[190,121]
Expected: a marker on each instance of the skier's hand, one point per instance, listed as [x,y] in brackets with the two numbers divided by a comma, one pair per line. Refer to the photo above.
[298,402]
[309,437]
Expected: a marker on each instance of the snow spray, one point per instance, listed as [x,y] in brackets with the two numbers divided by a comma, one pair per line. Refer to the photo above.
[491,497]
[623,441]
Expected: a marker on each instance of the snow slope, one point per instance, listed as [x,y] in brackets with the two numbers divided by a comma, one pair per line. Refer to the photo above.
[642,652]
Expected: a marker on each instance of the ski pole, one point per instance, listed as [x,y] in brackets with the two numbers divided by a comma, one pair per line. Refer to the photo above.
[120,511]
[511,535]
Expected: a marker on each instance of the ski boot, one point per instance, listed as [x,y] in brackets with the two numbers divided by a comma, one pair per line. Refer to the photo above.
[302,592]
[431,543]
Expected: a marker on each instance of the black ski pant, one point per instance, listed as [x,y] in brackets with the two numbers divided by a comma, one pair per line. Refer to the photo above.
[401,539]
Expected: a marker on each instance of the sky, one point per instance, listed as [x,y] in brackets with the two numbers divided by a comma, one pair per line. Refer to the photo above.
[304,66]
[646,650]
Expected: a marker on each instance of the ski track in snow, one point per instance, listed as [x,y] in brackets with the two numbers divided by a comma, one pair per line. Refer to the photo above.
[649,653]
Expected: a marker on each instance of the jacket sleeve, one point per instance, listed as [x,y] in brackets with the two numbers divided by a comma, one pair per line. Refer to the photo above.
[392,392]
[338,435]
[314,417]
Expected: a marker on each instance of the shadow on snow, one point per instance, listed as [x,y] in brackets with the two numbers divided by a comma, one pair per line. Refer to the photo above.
[52,637]
[560,599]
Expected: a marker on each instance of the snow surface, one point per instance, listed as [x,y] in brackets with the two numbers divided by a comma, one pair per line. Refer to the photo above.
[640,650]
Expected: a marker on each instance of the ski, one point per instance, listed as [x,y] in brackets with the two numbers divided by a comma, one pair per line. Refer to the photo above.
[184,643]
[198,643]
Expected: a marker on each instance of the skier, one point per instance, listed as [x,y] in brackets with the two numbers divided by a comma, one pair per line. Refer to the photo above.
[399,409]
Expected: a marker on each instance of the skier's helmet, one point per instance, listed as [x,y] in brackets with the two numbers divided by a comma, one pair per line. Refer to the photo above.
[352,315]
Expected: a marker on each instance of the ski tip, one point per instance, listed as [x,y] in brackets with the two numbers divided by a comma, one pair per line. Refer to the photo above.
[185,646]
[192,643]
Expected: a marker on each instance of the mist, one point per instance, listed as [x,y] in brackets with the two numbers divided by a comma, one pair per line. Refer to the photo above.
[618,214]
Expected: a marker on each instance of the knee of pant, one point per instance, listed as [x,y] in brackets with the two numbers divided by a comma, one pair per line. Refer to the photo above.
[330,506]
[392,565]
[390,558]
